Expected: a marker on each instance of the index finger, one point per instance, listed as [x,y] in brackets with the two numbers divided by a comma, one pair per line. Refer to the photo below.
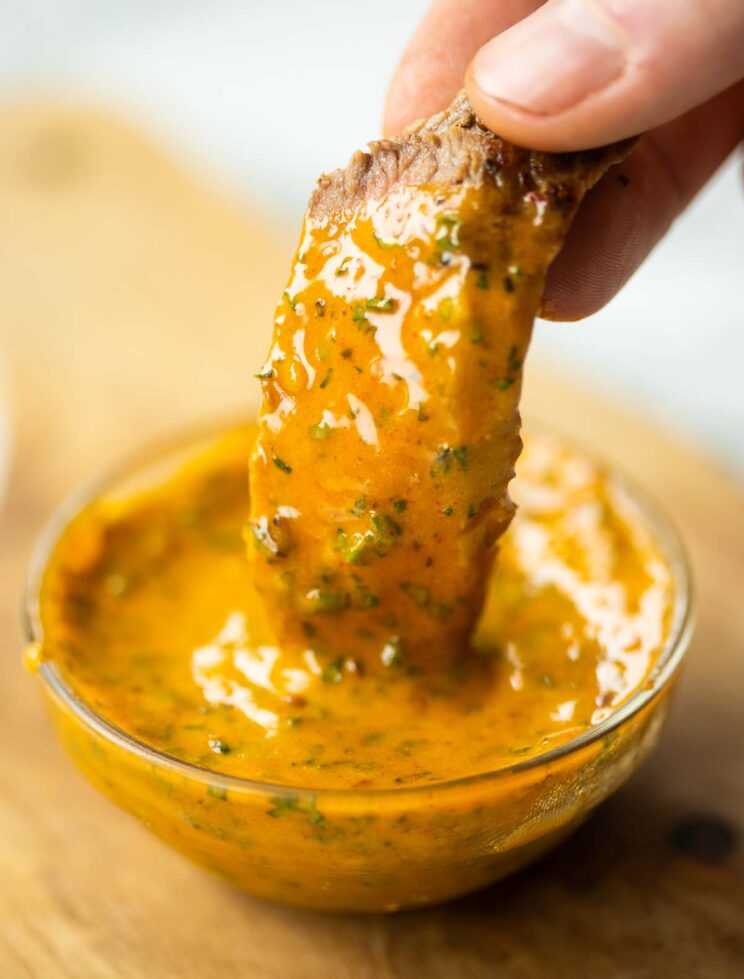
[433,65]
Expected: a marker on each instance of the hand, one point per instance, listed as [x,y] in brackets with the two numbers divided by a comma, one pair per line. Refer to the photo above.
[572,74]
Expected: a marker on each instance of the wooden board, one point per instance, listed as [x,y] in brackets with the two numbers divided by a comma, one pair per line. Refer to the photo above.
[132,299]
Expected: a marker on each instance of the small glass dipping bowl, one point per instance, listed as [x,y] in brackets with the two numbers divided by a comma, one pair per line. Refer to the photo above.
[355,850]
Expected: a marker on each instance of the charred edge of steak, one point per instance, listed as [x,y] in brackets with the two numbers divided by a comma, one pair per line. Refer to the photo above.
[452,148]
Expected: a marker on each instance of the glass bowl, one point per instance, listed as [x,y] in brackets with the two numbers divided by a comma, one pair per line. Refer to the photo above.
[355,850]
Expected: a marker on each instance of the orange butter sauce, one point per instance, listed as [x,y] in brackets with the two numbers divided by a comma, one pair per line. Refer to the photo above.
[149,612]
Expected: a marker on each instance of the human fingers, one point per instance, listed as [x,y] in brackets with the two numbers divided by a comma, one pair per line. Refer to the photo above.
[432,68]
[631,208]
[581,73]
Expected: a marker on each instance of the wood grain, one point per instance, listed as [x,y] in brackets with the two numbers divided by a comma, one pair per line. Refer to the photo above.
[131,298]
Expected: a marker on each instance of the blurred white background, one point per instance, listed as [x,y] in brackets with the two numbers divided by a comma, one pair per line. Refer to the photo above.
[263,96]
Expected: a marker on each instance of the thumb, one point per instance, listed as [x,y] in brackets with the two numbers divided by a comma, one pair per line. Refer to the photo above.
[581,73]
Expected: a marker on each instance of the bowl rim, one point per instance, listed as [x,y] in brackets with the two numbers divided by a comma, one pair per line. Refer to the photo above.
[190,438]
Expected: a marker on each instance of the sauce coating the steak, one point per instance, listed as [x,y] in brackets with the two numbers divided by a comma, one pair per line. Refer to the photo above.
[390,424]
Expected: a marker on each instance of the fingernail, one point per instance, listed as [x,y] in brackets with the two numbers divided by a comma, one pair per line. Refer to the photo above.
[552,60]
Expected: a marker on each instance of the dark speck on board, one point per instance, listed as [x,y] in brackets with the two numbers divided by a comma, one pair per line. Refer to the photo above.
[708,839]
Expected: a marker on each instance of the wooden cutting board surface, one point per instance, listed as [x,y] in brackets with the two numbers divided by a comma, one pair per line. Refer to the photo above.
[133,299]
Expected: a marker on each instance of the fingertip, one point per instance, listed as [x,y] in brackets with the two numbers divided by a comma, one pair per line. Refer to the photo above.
[425,82]
[433,65]
[539,83]
[563,133]
[403,104]
[579,73]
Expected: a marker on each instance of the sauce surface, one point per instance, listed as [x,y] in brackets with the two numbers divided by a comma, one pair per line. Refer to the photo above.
[148,609]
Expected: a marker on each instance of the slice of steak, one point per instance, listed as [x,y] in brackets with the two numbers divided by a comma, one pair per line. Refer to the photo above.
[390,424]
